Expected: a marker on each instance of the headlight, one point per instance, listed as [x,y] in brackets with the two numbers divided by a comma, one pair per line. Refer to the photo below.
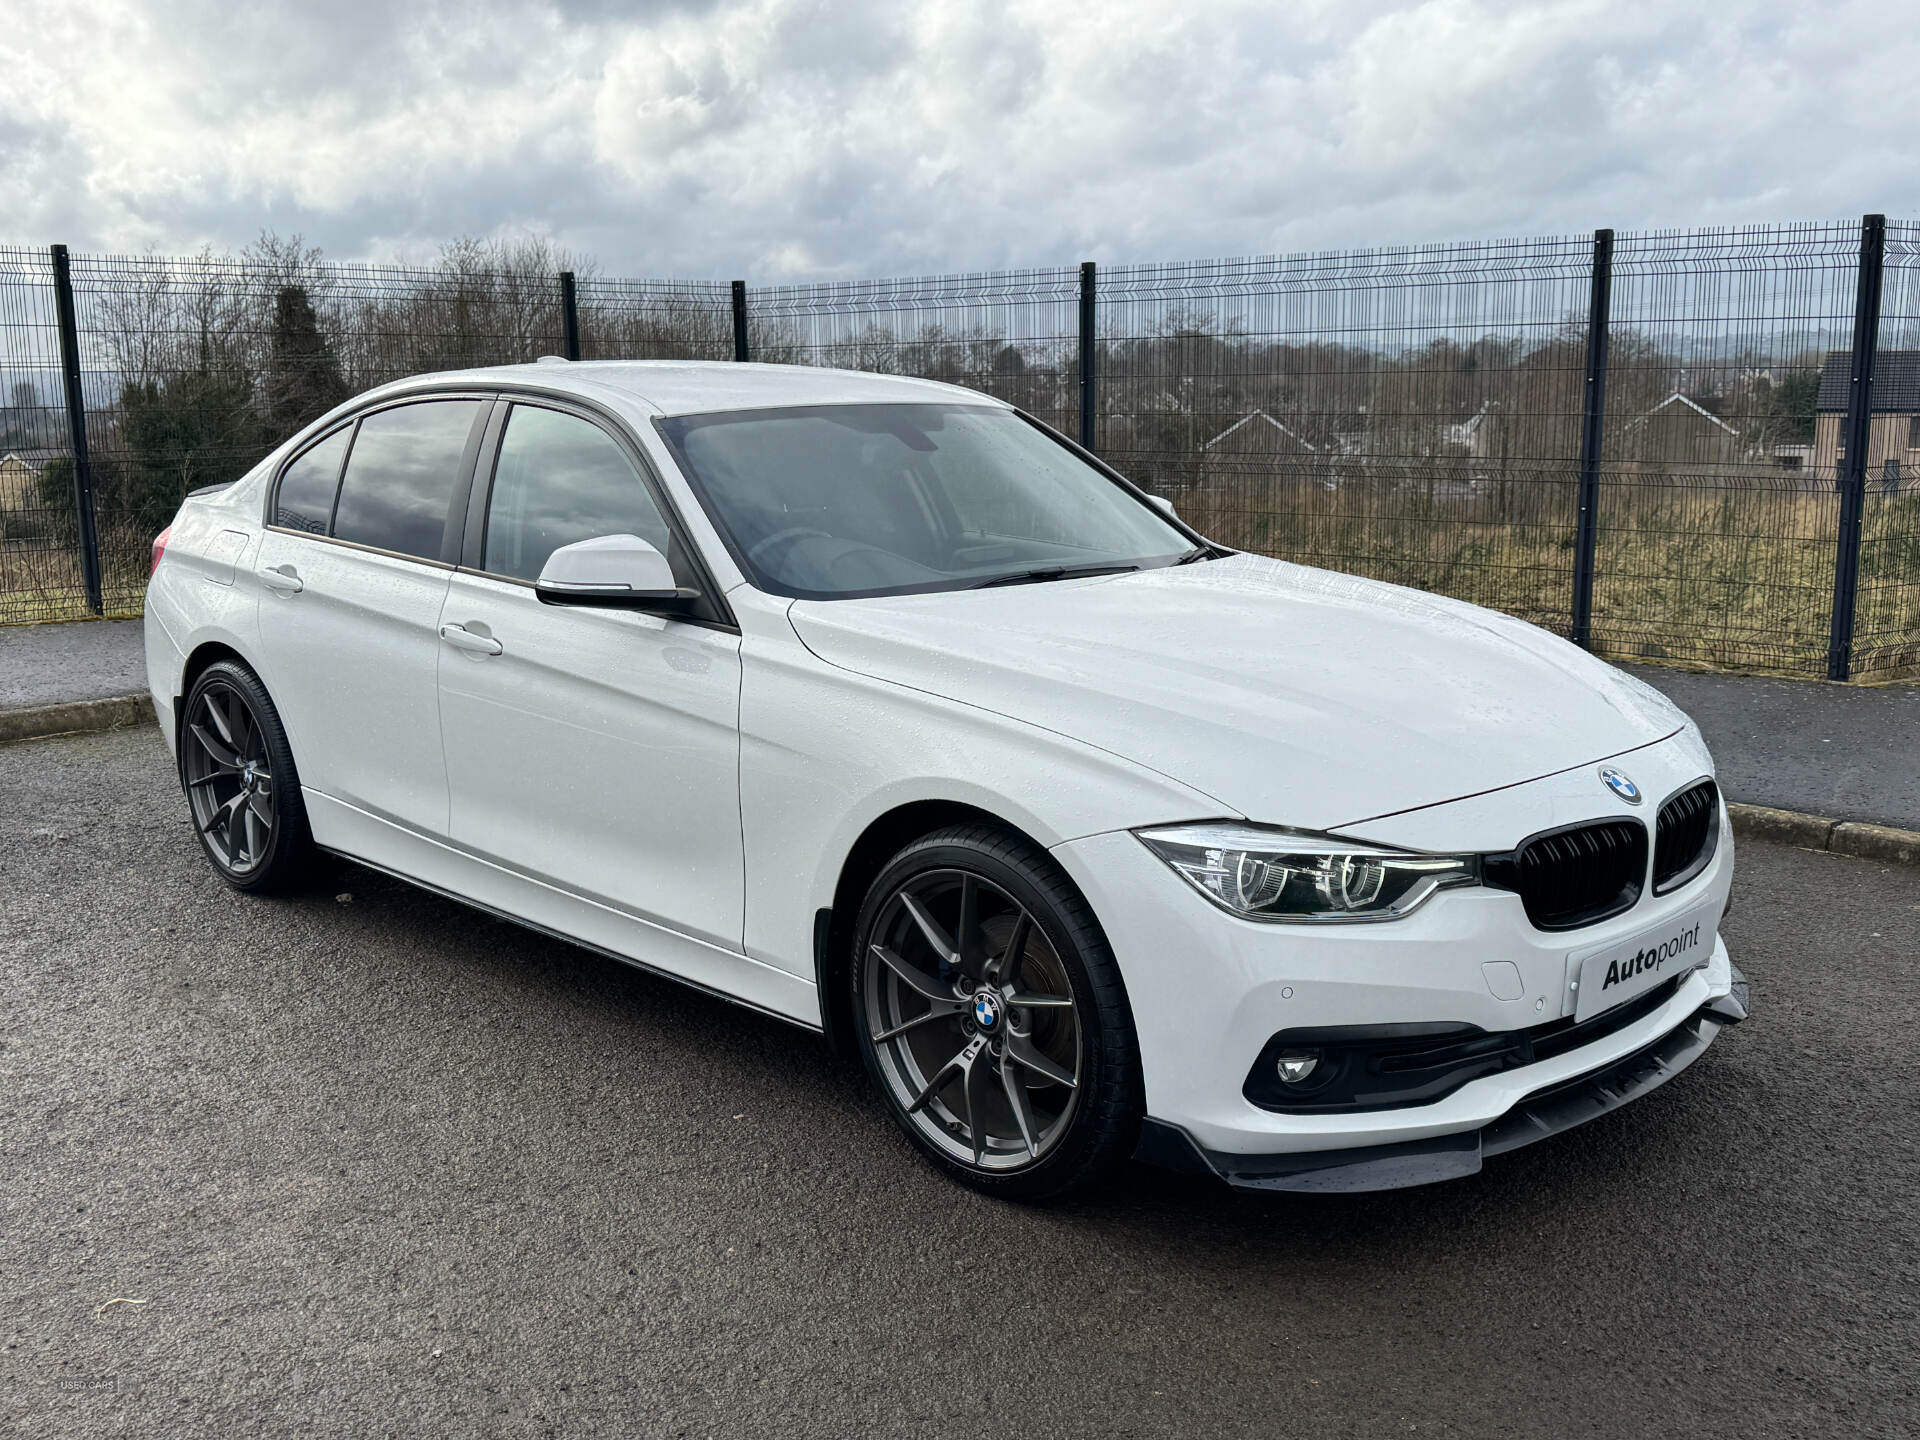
[1289,875]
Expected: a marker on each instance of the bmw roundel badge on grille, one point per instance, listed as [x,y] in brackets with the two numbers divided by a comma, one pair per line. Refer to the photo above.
[1619,784]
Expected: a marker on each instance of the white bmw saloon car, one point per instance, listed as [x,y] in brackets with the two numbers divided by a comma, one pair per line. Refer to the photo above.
[878,706]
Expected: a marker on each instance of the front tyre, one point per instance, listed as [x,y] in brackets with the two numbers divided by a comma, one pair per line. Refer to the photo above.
[242,790]
[992,1016]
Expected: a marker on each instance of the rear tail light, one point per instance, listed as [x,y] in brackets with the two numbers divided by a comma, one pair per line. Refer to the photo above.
[159,549]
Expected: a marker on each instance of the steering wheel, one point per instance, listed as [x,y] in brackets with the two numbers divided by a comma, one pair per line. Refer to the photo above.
[783,537]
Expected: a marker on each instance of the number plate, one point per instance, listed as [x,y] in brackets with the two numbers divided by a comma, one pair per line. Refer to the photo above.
[1617,972]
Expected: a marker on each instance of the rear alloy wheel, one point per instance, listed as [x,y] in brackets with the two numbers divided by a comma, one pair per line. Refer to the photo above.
[991,1015]
[242,790]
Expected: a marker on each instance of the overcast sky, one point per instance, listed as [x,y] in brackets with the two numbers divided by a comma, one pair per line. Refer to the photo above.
[788,138]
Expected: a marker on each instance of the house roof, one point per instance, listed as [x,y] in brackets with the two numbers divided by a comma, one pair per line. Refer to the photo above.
[1249,419]
[1470,423]
[1896,382]
[1703,406]
[33,457]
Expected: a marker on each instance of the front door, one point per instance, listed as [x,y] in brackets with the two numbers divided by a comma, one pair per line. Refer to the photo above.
[595,750]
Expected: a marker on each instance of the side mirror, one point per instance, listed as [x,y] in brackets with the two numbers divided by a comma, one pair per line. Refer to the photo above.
[613,570]
[1165,504]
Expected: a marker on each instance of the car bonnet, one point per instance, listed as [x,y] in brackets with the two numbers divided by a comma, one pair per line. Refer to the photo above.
[1291,695]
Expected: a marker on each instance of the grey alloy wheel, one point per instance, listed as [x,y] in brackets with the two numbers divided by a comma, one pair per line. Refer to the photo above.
[973,1022]
[227,768]
[243,792]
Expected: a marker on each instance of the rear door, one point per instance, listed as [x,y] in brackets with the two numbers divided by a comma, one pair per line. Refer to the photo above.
[363,529]
[595,749]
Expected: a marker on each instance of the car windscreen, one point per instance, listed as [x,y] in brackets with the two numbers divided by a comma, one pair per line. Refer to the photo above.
[837,501]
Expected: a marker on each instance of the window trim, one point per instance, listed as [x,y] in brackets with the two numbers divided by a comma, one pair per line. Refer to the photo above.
[713,611]
[348,425]
[457,501]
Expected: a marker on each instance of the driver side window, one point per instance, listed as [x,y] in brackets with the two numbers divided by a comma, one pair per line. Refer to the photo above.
[560,479]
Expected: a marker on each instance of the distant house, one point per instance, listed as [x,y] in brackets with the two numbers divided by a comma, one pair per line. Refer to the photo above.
[1351,432]
[19,472]
[1259,433]
[1474,435]
[1255,443]
[1893,431]
[1793,455]
[1683,429]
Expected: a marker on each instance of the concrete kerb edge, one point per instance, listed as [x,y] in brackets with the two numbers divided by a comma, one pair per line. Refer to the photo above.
[76,717]
[1859,838]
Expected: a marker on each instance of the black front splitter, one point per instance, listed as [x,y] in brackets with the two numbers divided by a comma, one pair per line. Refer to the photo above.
[1448,1157]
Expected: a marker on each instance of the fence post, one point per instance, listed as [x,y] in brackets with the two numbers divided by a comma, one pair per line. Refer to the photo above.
[569,317]
[89,535]
[1088,340]
[1593,418]
[740,320]
[1855,438]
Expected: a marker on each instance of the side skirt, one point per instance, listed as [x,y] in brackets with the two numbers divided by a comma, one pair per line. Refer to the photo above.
[365,839]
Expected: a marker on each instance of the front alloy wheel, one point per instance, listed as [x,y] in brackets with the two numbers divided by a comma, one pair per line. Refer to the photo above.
[991,1015]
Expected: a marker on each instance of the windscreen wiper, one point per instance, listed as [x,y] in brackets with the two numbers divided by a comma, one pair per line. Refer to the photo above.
[1052,572]
[1202,552]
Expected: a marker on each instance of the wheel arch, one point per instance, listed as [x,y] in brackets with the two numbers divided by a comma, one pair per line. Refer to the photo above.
[205,654]
[884,837]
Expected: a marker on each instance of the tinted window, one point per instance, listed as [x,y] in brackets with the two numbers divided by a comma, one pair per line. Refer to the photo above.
[305,501]
[562,479]
[839,500]
[401,475]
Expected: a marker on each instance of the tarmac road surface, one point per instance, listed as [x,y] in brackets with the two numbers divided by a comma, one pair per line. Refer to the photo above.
[383,1165]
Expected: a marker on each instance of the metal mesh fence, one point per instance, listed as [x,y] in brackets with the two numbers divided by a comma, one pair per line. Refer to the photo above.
[39,560]
[1887,631]
[1412,414]
[654,320]
[1717,518]
[1408,414]
[1014,335]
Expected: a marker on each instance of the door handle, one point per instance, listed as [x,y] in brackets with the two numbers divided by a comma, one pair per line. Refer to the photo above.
[282,578]
[462,638]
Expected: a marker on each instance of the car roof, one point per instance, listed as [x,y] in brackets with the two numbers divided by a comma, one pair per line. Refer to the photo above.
[692,387]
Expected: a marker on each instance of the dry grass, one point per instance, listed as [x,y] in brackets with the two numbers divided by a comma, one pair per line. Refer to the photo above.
[1725,578]
[41,582]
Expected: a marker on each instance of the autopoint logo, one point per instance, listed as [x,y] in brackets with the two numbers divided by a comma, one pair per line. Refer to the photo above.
[1651,958]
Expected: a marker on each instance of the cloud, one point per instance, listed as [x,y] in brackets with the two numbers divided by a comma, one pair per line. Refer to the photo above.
[788,138]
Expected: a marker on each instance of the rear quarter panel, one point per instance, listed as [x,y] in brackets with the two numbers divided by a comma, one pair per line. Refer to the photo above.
[203,592]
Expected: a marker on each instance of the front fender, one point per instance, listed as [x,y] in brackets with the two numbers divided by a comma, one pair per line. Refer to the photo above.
[826,752]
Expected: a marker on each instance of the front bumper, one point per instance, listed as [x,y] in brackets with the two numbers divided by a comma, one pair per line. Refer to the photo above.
[1420,1162]
[1209,990]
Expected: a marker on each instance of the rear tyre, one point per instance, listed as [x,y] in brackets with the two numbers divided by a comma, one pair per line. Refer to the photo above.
[992,1016]
[241,786]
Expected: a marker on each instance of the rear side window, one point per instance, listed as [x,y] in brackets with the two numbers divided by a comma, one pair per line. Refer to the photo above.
[402,474]
[561,479]
[307,487]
